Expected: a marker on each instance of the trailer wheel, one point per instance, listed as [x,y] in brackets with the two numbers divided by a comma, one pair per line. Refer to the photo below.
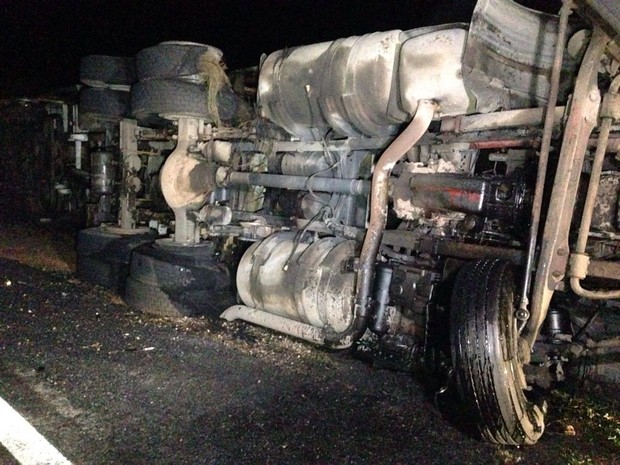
[101,106]
[103,256]
[173,60]
[105,102]
[179,281]
[484,340]
[106,71]
[169,99]
[151,299]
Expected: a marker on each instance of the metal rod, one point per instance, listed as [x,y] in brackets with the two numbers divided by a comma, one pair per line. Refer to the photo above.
[277,323]
[312,183]
[595,179]
[566,10]
[127,217]
[505,144]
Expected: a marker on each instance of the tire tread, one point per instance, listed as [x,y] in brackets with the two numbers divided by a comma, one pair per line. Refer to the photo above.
[502,413]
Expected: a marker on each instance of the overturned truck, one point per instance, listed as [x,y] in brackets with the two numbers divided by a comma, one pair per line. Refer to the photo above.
[449,194]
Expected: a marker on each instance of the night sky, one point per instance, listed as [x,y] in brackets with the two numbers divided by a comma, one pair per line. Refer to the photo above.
[42,41]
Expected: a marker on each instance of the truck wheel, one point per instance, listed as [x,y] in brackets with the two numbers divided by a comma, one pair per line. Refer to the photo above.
[484,340]
[179,281]
[103,256]
[169,99]
[151,299]
[101,106]
[106,71]
[172,60]
[92,269]
[105,102]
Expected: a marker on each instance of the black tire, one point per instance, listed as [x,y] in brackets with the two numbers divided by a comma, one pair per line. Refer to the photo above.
[486,364]
[103,71]
[112,245]
[106,102]
[169,99]
[193,282]
[172,60]
[94,240]
[173,268]
[152,300]
[93,269]
[99,106]
[103,257]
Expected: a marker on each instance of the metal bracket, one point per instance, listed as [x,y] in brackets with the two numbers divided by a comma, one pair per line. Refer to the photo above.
[553,257]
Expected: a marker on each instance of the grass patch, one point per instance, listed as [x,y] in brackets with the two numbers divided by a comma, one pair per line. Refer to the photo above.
[593,424]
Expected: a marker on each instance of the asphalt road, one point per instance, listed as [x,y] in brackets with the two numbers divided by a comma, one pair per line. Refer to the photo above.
[108,385]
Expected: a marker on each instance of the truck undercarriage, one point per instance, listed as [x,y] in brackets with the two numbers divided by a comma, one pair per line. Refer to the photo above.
[447,195]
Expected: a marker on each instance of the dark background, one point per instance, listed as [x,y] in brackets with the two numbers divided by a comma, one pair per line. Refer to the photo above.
[42,41]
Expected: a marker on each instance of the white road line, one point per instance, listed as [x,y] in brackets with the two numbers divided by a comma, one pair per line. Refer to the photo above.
[24,442]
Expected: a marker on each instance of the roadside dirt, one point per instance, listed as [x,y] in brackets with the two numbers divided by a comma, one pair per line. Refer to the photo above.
[41,246]
[107,384]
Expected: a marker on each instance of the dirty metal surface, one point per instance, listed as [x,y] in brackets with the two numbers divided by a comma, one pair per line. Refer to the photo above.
[581,121]
[509,55]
